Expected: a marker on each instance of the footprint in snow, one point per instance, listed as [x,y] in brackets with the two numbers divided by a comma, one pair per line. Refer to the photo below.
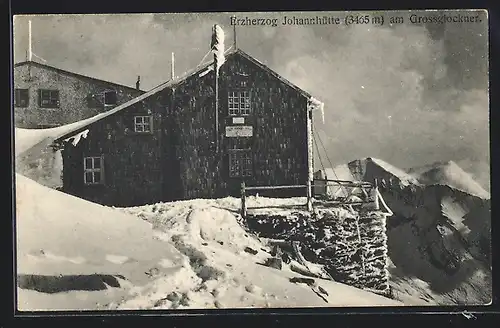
[253,289]
[152,272]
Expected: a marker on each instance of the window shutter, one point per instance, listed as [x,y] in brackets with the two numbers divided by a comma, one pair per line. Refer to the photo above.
[39,97]
[151,123]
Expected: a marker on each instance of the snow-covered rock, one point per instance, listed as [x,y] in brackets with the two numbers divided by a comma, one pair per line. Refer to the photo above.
[352,246]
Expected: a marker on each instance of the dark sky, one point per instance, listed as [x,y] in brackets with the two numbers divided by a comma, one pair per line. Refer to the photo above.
[409,94]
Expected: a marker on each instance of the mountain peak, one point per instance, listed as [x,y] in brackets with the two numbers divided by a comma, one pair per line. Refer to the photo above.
[451,174]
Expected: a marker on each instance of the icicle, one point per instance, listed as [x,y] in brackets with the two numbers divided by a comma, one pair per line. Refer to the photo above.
[217,45]
[206,71]
[76,138]
[316,104]
[388,210]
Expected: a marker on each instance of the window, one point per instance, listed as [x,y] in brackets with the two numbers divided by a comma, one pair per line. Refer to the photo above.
[21,98]
[143,123]
[110,98]
[240,163]
[100,99]
[93,170]
[239,103]
[48,98]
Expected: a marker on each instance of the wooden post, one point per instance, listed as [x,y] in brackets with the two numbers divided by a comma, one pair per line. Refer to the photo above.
[216,104]
[309,196]
[310,155]
[243,200]
[326,186]
[234,36]
[377,204]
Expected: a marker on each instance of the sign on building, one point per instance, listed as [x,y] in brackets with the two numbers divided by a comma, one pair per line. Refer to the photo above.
[238,120]
[239,131]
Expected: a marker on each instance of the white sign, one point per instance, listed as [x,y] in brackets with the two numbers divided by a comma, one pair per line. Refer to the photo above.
[239,131]
[238,120]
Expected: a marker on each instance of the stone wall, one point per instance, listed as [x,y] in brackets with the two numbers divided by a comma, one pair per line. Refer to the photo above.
[351,245]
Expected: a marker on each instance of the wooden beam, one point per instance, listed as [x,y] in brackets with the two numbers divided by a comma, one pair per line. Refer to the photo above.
[275,187]
[345,181]
[243,200]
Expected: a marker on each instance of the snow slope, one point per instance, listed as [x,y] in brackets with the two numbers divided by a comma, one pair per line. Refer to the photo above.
[449,173]
[60,236]
[74,254]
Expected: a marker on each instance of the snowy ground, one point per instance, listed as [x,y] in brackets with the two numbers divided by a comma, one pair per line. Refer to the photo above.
[188,254]
[191,256]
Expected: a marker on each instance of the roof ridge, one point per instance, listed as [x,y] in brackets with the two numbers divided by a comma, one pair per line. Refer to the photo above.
[75,74]
[172,83]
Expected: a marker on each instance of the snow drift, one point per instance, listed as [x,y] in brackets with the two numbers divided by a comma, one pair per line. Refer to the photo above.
[211,234]
[35,159]
[24,139]
[67,244]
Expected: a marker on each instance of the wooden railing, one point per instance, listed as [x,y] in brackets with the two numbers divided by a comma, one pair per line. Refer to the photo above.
[369,191]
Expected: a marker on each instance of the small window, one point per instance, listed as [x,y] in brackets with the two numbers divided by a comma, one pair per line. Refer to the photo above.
[143,124]
[240,163]
[239,103]
[93,170]
[21,98]
[48,98]
[110,98]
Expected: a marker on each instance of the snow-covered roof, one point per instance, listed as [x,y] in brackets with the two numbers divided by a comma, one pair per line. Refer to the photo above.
[201,70]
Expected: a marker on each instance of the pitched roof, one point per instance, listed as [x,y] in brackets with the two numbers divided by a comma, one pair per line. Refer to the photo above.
[172,83]
[62,71]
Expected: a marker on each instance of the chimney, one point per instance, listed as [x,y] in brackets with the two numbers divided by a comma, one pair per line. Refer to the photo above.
[173,68]
[138,83]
